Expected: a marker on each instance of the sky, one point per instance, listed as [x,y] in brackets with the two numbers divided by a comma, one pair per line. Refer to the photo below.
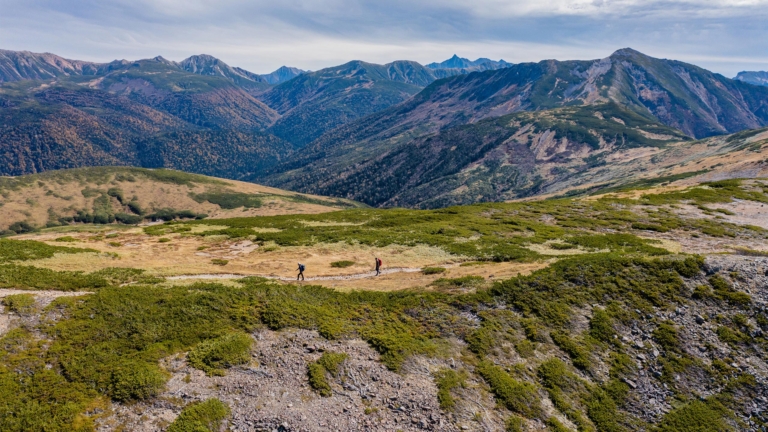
[724,36]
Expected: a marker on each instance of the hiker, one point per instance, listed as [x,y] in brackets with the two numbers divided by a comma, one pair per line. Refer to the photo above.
[301,272]
[378,265]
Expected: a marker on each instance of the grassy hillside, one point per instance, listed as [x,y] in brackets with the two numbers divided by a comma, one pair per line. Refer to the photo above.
[132,195]
[622,330]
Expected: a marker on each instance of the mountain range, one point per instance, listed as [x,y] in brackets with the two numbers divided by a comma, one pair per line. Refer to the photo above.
[400,134]
[25,65]
[756,78]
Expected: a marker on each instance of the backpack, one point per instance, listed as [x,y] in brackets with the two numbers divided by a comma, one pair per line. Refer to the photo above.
[379,262]
[301,267]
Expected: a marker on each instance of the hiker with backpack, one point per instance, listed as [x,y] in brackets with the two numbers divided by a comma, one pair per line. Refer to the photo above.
[301,272]
[378,265]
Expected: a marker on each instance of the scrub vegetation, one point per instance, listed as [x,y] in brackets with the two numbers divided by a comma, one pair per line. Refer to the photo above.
[108,345]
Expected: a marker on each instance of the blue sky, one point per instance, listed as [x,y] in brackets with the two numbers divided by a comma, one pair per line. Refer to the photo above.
[725,36]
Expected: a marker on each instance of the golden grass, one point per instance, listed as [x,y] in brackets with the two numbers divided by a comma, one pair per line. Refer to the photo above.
[33,203]
[193,255]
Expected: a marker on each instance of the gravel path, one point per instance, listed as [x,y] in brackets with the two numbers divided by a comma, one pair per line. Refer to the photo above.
[314,278]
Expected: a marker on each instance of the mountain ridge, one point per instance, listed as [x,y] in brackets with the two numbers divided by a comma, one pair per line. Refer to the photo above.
[21,65]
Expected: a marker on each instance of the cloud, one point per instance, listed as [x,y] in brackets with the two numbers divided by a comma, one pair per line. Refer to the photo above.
[259,35]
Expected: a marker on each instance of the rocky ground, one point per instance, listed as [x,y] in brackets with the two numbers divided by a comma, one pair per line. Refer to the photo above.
[272,392]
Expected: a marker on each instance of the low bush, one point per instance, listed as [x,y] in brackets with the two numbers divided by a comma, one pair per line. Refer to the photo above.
[21,227]
[342,264]
[318,381]
[23,250]
[514,424]
[219,262]
[128,219]
[519,397]
[601,326]
[206,416]
[229,200]
[215,355]
[317,372]
[578,353]
[725,291]
[700,416]
[447,380]
[29,277]
[433,270]
[19,303]
[460,282]
[136,380]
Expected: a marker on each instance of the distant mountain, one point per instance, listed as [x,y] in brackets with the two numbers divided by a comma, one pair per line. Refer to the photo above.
[208,65]
[756,78]
[281,75]
[461,63]
[499,158]
[196,115]
[460,66]
[24,65]
[316,102]
[669,95]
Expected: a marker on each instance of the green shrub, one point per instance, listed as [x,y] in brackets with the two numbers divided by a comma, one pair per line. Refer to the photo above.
[601,326]
[514,424]
[34,397]
[21,227]
[601,409]
[555,425]
[519,397]
[215,355]
[576,351]
[700,416]
[342,264]
[229,200]
[649,227]
[219,262]
[116,193]
[29,277]
[19,303]
[318,381]
[725,291]
[65,239]
[206,416]
[460,282]
[163,240]
[23,250]
[331,361]
[447,380]
[136,380]
[128,219]
[666,335]
[317,371]
[433,270]
[730,336]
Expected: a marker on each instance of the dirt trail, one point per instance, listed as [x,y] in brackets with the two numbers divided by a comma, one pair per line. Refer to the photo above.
[312,278]
[43,294]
